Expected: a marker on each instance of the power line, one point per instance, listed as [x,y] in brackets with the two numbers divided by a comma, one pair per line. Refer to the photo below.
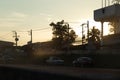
[73,22]
[35,29]
[41,29]
[23,31]
[5,34]
[44,28]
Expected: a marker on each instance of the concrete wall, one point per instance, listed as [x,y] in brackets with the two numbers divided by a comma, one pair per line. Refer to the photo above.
[111,39]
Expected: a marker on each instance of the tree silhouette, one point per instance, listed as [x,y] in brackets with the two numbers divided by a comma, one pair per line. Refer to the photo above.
[95,37]
[62,35]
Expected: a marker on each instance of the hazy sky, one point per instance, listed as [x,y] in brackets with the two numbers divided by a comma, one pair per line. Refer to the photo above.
[23,15]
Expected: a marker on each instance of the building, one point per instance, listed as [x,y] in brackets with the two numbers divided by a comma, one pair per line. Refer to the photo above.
[111,14]
[5,44]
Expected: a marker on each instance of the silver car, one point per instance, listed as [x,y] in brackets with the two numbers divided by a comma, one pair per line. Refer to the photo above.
[54,60]
[83,62]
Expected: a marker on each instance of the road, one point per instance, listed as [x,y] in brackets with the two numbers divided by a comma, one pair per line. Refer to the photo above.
[87,73]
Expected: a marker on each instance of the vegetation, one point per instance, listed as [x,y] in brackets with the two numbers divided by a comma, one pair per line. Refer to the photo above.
[94,38]
[63,35]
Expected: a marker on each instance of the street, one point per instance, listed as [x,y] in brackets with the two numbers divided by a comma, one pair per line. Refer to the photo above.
[74,72]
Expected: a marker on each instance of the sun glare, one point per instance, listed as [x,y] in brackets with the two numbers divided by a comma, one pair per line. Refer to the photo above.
[98,26]
[106,29]
[78,28]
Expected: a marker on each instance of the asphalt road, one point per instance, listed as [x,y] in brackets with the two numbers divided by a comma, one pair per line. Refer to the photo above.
[86,73]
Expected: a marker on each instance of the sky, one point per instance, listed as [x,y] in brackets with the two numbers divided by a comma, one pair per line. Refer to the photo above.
[23,15]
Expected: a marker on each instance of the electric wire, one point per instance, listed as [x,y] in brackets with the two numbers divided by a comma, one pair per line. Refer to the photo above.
[7,35]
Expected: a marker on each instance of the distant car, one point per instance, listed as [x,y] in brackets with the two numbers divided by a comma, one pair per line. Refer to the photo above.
[83,62]
[8,59]
[55,60]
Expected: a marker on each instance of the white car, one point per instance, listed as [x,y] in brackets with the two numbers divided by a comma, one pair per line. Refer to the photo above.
[54,60]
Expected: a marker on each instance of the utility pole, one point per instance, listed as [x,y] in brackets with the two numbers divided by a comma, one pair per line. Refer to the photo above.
[108,2]
[105,3]
[83,32]
[102,3]
[16,38]
[68,39]
[31,37]
[88,30]
[102,25]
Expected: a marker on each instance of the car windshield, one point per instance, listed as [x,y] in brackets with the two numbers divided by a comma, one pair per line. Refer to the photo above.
[60,39]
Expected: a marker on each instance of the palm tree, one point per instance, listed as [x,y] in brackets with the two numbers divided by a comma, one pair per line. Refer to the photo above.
[95,37]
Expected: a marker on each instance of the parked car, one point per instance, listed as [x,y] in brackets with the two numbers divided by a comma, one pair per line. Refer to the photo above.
[8,58]
[83,62]
[55,60]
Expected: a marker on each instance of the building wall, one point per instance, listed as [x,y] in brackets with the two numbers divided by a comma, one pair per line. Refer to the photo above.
[111,39]
[117,27]
[5,44]
[108,13]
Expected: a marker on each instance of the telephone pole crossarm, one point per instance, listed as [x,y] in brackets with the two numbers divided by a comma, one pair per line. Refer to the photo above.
[16,37]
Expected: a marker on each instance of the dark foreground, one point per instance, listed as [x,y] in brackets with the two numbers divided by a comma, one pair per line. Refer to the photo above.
[32,72]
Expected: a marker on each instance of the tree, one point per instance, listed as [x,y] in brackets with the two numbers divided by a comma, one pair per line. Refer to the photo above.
[62,35]
[111,27]
[72,36]
[95,37]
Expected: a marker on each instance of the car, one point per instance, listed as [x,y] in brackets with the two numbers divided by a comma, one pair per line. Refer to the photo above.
[83,62]
[55,60]
[8,58]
